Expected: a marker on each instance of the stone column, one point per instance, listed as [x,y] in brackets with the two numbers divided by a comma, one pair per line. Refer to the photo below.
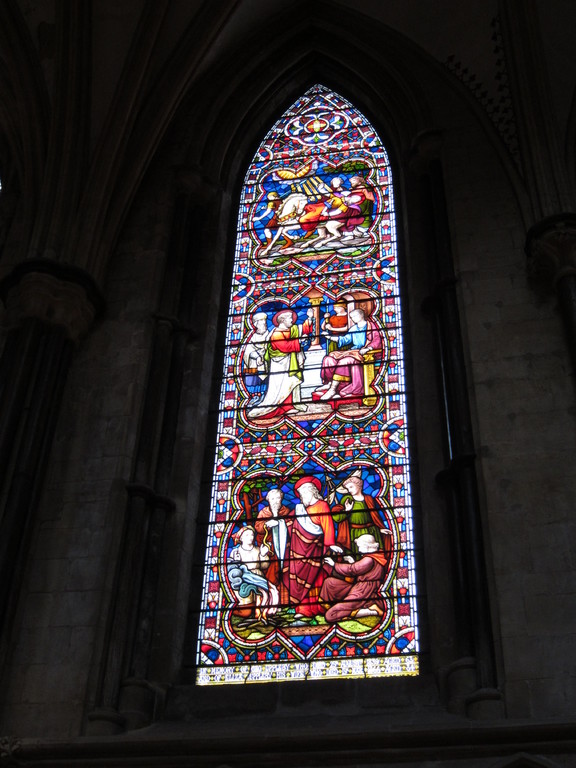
[315,298]
[551,251]
[49,308]
[126,697]
[128,694]
[471,679]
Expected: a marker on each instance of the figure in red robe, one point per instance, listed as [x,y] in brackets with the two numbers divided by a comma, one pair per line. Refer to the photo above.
[312,535]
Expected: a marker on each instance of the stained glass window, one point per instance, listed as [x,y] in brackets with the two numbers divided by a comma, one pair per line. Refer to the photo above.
[309,567]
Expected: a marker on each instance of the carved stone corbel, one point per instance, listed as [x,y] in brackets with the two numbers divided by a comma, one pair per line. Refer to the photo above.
[54,293]
[49,307]
[10,747]
[551,251]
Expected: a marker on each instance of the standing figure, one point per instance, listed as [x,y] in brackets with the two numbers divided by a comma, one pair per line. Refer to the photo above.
[267,221]
[311,537]
[355,589]
[357,514]
[273,526]
[255,370]
[285,359]
[343,370]
[246,565]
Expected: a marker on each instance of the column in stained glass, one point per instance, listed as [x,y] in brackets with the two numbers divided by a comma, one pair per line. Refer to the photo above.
[309,567]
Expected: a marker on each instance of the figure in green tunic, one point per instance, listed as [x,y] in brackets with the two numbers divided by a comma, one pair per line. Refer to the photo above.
[358,515]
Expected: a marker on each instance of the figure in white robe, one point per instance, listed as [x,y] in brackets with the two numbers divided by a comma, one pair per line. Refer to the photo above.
[285,360]
[253,358]
[247,564]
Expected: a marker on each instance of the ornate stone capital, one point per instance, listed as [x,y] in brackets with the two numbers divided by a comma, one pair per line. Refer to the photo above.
[551,250]
[55,293]
[10,747]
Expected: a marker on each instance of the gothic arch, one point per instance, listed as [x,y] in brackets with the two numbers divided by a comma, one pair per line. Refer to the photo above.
[288,55]
[344,169]
[209,175]
[283,68]
[457,680]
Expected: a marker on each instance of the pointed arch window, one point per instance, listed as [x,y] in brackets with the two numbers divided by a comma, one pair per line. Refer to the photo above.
[309,568]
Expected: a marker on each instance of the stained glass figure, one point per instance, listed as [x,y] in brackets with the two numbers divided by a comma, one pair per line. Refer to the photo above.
[309,568]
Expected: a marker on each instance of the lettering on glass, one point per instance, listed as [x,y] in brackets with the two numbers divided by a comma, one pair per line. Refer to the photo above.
[309,567]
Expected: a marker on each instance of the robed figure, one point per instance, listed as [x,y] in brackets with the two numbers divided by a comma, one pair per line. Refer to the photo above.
[285,362]
[343,368]
[311,537]
[354,590]
[273,529]
[358,514]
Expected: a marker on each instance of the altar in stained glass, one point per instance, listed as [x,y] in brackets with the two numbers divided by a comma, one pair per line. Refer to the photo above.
[309,568]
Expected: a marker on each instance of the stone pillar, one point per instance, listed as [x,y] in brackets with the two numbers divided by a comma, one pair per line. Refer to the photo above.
[126,698]
[316,307]
[49,307]
[551,251]
[128,694]
[471,678]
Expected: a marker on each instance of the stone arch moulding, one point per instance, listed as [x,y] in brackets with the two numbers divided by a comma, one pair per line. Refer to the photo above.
[525,760]
[375,66]
[462,688]
[224,149]
[233,128]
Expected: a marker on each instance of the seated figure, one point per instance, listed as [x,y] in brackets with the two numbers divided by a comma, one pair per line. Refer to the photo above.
[343,369]
[246,565]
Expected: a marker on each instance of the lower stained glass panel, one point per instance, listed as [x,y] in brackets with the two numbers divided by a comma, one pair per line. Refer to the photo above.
[309,570]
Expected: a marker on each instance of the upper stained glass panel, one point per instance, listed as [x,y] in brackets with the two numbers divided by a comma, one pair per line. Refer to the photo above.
[309,569]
